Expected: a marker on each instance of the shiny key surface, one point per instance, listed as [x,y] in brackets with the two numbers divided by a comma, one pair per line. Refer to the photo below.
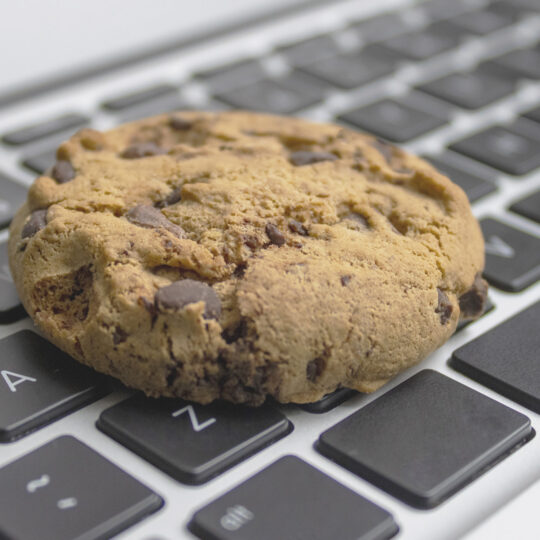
[529,206]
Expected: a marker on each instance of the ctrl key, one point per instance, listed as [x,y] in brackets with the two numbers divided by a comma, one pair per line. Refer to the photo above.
[291,499]
[66,491]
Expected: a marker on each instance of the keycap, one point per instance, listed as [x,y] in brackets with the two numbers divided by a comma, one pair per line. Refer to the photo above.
[140,97]
[393,120]
[508,149]
[10,305]
[191,442]
[292,499]
[330,401]
[512,256]
[442,9]
[39,383]
[353,69]
[308,50]
[65,490]
[534,114]
[285,95]
[421,45]
[12,195]
[522,63]
[425,439]
[469,90]
[168,103]
[473,185]
[39,163]
[529,206]
[505,358]
[232,75]
[379,27]
[523,5]
[50,127]
[487,308]
[484,21]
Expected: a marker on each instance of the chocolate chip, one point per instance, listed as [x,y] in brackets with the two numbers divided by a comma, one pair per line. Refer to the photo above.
[304,157]
[345,280]
[251,241]
[275,235]
[63,172]
[188,291]
[119,335]
[142,149]
[172,198]
[444,307]
[180,124]
[150,217]
[315,368]
[37,221]
[297,227]
[384,148]
[473,303]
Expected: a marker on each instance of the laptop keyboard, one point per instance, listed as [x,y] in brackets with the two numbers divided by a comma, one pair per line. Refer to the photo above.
[431,454]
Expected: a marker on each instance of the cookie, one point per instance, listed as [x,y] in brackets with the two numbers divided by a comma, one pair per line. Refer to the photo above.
[238,256]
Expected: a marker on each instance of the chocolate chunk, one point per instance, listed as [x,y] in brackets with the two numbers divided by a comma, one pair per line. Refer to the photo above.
[275,235]
[142,149]
[444,307]
[251,241]
[297,227]
[188,291]
[384,148]
[304,157]
[37,221]
[473,303]
[315,368]
[345,280]
[63,172]
[180,124]
[172,198]
[150,217]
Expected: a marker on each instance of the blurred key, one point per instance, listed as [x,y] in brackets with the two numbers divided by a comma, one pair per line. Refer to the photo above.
[12,195]
[469,90]
[10,305]
[292,500]
[509,149]
[193,443]
[308,50]
[512,256]
[284,95]
[39,163]
[484,21]
[135,99]
[443,9]
[506,358]
[330,401]
[474,186]
[393,120]
[64,491]
[50,127]
[522,63]
[353,69]
[534,114]
[525,6]
[39,383]
[529,206]
[380,27]
[232,75]
[425,439]
[168,103]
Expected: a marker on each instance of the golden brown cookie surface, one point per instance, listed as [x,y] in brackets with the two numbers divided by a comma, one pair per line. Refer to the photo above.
[237,255]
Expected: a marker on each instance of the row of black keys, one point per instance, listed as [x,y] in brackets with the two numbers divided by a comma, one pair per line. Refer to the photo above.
[421,442]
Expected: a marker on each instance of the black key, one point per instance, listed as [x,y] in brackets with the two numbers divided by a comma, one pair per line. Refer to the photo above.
[39,383]
[484,21]
[64,490]
[393,120]
[487,308]
[442,9]
[534,114]
[191,442]
[34,132]
[353,69]
[10,305]
[473,185]
[529,206]
[39,163]
[523,63]
[291,499]
[524,6]
[512,256]
[330,401]
[12,195]
[285,95]
[469,90]
[135,99]
[240,73]
[380,27]
[506,358]
[308,50]
[425,439]
[508,149]
[166,104]
[421,45]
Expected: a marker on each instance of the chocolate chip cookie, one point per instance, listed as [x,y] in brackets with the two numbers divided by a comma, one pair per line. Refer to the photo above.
[234,255]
